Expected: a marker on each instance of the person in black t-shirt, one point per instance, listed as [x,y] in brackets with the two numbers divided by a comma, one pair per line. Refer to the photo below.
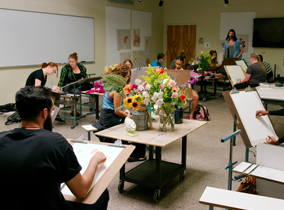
[38,77]
[35,161]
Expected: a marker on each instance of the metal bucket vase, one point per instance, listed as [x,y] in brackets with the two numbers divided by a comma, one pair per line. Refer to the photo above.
[141,118]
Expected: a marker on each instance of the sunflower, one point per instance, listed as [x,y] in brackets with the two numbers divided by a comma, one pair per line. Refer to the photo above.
[184,102]
[135,104]
[128,102]
[138,98]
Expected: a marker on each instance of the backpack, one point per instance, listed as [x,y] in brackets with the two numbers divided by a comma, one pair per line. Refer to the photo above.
[201,113]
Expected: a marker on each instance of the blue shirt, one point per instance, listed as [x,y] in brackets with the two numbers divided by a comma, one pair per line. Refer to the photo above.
[237,48]
[155,63]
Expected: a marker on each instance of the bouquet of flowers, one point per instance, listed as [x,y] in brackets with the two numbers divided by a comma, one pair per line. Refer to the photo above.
[98,87]
[202,63]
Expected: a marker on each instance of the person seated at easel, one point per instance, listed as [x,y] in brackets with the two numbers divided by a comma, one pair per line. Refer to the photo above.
[73,72]
[111,116]
[35,160]
[173,63]
[160,58]
[194,103]
[255,73]
[39,77]
[214,61]
[280,112]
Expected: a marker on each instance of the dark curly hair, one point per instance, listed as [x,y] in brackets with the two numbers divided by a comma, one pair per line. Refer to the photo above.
[120,69]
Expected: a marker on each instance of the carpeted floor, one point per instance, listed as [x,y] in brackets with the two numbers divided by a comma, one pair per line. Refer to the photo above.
[207,158]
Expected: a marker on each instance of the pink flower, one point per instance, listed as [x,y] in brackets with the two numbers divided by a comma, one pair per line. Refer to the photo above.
[174,95]
[172,83]
[135,86]
[162,86]
[202,52]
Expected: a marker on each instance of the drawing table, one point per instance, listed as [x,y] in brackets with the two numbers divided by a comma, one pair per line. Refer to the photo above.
[95,97]
[107,177]
[154,173]
[271,95]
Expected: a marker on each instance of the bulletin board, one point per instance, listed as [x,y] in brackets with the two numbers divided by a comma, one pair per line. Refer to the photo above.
[31,38]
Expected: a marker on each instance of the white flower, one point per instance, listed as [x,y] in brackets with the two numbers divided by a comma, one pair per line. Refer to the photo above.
[140,87]
[165,81]
[145,94]
[160,95]
[148,87]
[154,98]
[159,102]
[138,82]
[146,101]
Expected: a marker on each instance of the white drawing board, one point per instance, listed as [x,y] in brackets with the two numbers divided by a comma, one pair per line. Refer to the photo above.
[84,153]
[235,73]
[270,156]
[247,103]
[242,64]
[273,93]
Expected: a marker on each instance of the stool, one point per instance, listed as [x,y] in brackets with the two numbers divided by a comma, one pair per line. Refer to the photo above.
[89,128]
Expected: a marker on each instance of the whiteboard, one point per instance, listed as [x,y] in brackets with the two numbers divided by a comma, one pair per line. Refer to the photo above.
[247,103]
[236,73]
[31,38]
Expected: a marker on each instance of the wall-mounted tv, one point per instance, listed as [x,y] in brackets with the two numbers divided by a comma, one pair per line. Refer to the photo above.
[268,32]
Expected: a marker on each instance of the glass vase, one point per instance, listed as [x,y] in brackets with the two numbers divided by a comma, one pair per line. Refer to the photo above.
[167,117]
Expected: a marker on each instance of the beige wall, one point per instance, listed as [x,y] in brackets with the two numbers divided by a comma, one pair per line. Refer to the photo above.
[12,79]
[206,15]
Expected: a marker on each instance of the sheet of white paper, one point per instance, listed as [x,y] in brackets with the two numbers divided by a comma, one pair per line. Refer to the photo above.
[247,103]
[276,93]
[85,152]
[242,64]
[242,167]
[236,73]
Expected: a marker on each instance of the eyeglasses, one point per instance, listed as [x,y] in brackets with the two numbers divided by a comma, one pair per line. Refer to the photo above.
[54,70]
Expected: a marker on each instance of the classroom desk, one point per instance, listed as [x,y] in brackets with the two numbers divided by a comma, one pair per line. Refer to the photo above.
[104,181]
[154,173]
[271,95]
[95,96]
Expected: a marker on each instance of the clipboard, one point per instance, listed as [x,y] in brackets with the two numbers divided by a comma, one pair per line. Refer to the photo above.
[107,177]
[90,79]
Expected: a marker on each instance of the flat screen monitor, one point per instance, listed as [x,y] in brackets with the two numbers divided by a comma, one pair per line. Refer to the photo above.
[268,32]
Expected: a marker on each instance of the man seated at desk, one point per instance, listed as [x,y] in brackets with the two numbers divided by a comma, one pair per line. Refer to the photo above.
[35,161]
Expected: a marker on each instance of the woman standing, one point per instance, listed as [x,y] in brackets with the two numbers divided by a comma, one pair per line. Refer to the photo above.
[233,47]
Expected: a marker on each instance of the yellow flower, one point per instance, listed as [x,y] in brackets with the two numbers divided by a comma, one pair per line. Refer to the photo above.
[106,69]
[135,105]
[184,102]
[128,102]
[138,98]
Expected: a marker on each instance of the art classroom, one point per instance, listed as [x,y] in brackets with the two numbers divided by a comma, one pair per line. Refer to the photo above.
[206,175]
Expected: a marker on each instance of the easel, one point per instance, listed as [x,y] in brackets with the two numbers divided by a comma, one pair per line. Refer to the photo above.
[234,72]
[77,84]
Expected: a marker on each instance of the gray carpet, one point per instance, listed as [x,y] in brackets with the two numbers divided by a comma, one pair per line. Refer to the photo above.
[207,158]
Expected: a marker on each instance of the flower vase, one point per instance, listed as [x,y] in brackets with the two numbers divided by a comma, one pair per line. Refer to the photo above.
[167,117]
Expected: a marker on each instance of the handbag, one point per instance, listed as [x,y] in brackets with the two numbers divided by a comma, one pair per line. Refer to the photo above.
[248,185]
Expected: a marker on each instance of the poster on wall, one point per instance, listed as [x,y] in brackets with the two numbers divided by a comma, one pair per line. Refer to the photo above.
[139,59]
[147,44]
[245,41]
[136,37]
[123,38]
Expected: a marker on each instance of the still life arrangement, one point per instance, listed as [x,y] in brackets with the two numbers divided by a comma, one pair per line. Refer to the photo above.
[203,62]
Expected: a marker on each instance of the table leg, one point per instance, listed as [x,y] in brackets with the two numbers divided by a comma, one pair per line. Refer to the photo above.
[158,166]
[97,107]
[183,152]
[150,152]
[215,86]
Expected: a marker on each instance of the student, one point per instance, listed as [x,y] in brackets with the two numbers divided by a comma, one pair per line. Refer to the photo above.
[72,72]
[233,47]
[110,117]
[194,103]
[35,161]
[128,63]
[173,63]
[255,73]
[214,60]
[280,112]
[269,76]
[38,77]
[160,58]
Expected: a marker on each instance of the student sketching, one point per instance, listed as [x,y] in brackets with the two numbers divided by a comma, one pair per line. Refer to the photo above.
[233,47]
[72,72]
[160,58]
[269,71]
[194,103]
[280,112]
[35,161]
[110,117]
[39,77]
[214,61]
[173,63]
[255,73]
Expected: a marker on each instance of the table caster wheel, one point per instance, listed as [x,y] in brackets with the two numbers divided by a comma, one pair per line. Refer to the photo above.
[182,176]
[204,99]
[156,195]
[120,186]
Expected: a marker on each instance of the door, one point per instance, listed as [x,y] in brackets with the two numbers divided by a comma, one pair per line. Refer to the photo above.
[181,38]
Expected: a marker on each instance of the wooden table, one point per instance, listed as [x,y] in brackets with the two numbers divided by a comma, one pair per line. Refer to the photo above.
[104,181]
[203,84]
[154,173]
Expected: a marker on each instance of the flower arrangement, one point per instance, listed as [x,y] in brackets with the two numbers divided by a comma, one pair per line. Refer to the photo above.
[98,88]
[202,63]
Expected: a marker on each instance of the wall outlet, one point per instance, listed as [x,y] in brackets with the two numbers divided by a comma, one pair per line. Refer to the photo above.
[207,45]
